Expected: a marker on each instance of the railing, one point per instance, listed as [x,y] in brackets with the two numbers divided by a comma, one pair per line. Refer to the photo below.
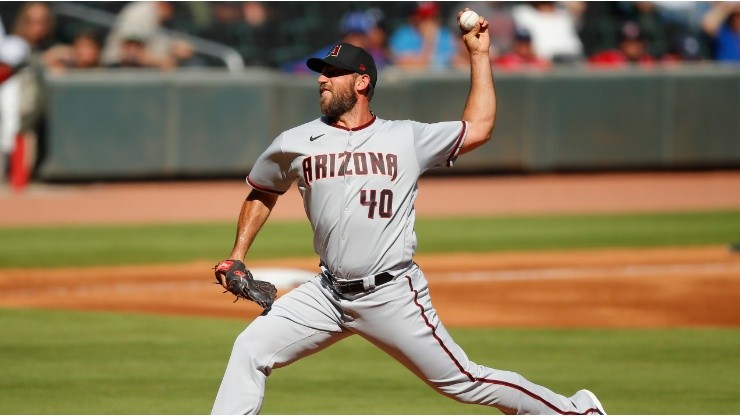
[231,58]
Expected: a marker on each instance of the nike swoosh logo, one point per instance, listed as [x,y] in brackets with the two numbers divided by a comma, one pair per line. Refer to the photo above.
[315,137]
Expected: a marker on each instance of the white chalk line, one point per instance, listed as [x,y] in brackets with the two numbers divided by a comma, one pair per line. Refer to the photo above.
[697,269]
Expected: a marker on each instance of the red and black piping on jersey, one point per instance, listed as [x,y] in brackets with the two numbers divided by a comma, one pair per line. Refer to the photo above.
[485,380]
[334,124]
[458,145]
[259,187]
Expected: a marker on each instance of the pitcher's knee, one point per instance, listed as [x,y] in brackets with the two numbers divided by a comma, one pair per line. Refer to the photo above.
[463,391]
[252,354]
[479,390]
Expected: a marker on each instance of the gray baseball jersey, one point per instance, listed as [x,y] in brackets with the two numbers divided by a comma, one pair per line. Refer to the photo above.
[359,188]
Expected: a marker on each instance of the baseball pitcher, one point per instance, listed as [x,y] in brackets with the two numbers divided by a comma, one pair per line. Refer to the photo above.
[357,174]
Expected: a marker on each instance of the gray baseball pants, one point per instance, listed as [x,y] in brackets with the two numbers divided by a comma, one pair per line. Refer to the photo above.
[397,317]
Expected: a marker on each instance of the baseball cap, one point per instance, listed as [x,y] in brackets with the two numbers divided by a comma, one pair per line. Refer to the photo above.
[349,57]
[522,34]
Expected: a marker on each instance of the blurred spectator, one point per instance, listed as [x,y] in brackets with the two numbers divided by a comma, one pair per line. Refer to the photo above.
[553,29]
[243,26]
[722,23]
[522,55]
[14,51]
[83,53]
[652,26]
[255,13]
[685,48]
[599,26]
[501,26]
[424,43]
[133,53]
[141,21]
[225,24]
[35,24]
[682,19]
[258,33]
[632,50]
[377,38]
[665,40]
[359,28]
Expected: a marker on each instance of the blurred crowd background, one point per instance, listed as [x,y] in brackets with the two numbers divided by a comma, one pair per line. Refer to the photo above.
[413,35]
[42,38]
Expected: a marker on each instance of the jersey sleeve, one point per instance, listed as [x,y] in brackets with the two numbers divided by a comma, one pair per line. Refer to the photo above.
[438,144]
[271,172]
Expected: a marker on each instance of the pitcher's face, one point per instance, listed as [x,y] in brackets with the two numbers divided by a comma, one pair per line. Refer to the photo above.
[336,88]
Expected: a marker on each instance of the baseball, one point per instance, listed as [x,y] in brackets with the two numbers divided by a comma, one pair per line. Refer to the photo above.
[468,20]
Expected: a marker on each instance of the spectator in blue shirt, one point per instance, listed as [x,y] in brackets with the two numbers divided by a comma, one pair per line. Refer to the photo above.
[722,22]
[423,42]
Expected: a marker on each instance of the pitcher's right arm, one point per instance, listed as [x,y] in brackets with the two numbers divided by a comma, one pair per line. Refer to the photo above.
[254,213]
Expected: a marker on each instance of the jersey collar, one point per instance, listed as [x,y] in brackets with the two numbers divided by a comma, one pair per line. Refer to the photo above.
[366,125]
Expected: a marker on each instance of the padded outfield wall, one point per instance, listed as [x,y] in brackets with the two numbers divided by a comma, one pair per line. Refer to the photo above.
[130,125]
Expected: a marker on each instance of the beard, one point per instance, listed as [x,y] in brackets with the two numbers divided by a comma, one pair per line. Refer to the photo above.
[341,102]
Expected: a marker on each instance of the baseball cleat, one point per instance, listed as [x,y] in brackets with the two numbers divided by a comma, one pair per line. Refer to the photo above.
[596,401]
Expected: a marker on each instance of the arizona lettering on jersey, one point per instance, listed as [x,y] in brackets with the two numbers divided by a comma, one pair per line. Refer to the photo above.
[332,165]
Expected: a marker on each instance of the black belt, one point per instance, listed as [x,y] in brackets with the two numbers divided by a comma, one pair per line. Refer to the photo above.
[350,287]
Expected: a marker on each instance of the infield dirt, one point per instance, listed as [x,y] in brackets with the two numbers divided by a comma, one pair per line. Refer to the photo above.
[657,287]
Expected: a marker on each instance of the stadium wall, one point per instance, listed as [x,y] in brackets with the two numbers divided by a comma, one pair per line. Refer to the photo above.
[134,124]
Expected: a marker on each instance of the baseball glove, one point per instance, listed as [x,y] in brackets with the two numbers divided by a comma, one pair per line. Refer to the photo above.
[234,276]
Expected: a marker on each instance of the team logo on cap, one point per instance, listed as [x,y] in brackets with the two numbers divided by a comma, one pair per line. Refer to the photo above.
[362,67]
[335,51]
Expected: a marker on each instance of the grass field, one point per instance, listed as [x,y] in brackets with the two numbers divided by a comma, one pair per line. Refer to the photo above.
[100,363]
[54,362]
[109,245]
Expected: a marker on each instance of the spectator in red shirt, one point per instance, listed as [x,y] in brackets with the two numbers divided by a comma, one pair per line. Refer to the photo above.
[632,50]
[522,54]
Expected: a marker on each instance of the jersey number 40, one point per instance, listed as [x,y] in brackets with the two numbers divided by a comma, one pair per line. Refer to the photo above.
[383,203]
